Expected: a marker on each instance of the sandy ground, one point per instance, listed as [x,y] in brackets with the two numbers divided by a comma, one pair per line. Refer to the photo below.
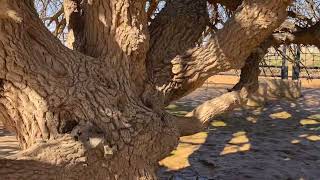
[223,79]
[8,143]
[279,141]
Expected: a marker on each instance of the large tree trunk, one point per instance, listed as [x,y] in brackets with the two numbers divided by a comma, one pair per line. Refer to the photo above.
[78,114]
[85,113]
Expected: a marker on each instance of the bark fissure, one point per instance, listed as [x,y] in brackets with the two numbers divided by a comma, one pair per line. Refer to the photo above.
[112,30]
[50,90]
[228,49]
[201,117]
[79,114]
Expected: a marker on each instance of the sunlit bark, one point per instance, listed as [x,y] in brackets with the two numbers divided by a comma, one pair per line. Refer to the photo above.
[85,113]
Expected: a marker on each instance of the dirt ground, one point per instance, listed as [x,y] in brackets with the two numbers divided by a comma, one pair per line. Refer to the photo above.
[280,141]
[8,143]
[227,80]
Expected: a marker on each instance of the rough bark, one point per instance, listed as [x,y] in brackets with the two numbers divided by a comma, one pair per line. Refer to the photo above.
[80,115]
[200,118]
[228,49]
[112,29]
[74,113]
[176,29]
[230,4]
[296,35]
[74,19]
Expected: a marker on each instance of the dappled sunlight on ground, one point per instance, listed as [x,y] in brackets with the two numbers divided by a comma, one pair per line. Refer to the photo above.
[313,138]
[8,143]
[309,122]
[295,141]
[239,138]
[218,124]
[278,141]
[315,116]
[178,110]
[281,115]
[198,138]
[230,149]
[238,143]
[252,119]
[180,157]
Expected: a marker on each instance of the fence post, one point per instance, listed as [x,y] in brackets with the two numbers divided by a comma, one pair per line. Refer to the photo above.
[296,64]
[284,67]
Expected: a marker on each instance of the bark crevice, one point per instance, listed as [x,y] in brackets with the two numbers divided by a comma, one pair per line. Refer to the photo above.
[228,49]
[200,118]
[81,112]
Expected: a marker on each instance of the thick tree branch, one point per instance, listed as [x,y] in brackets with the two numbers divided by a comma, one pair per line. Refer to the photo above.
[200,118]
[111,30]
[37,72]
[176,29]
[106,32]
[229,49]
[230,4]
[73,13]
[305,36]
[62,102]
[152,8]
[81,117]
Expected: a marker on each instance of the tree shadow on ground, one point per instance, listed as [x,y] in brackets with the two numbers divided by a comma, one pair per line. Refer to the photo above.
[8,143]
[277,141]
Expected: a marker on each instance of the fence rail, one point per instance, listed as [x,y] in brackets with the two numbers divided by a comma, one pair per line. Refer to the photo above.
[290,61]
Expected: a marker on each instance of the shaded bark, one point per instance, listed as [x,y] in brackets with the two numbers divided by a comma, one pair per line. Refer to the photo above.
[296,35]
[79,114]
[175,29]
[112,30]
[76,113]
[228,49]
[230,4]
[200,118]
[73,10]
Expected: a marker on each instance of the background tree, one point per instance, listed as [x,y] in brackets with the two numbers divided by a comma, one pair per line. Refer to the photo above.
[95,110]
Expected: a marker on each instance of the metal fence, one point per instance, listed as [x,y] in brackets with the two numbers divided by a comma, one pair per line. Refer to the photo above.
[290,62]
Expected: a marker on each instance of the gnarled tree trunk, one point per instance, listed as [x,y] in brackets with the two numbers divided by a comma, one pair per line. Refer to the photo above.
[97,111]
